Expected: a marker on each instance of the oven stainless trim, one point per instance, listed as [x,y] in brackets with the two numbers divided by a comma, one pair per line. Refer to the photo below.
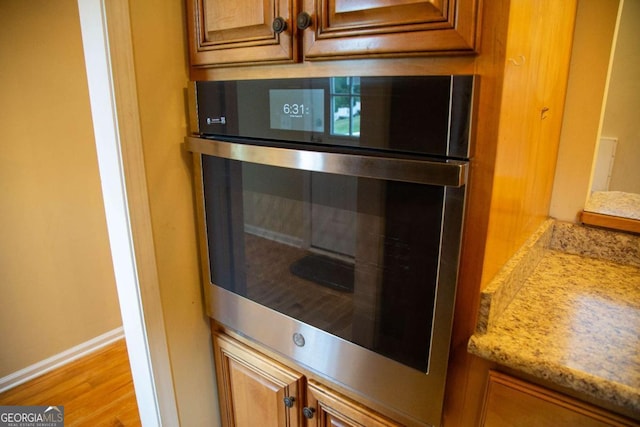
[450,173]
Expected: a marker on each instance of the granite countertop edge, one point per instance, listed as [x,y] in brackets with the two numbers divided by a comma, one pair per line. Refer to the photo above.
[510,347]
[558,374]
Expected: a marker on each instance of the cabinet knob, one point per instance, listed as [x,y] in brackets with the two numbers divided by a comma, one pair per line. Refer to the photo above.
[279,25]
[288,401]
[308,412]
[303,20]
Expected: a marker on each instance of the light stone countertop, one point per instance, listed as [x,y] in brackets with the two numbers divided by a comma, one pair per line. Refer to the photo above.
[566,309]
[616,203]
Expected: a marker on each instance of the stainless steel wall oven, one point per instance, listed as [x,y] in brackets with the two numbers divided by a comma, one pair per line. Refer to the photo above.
[332,221]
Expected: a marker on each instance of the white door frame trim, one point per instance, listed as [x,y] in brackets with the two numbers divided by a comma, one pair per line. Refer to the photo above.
[106,37]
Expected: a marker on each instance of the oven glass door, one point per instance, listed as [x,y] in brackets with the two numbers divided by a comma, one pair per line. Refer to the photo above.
[357,257]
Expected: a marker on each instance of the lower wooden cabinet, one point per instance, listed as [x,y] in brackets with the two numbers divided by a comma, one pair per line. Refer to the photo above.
[513,402]
[255,390]
[333,410]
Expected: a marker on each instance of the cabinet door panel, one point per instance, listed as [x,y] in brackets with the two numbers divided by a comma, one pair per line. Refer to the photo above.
[222,15]
[385,27]
[381,13]
[227,32]
[334,410]
[511,402]
[252,387]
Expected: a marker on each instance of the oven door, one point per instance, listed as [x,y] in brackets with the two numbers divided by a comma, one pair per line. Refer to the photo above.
[345,263]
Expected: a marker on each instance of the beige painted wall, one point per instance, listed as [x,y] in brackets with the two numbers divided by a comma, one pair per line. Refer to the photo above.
[159,44]
[595,24]
[622,113]
[57,288]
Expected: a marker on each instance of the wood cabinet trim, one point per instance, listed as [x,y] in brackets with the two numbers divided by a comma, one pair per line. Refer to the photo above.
[609,221]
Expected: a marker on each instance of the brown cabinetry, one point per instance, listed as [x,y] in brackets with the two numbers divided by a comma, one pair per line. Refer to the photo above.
[225,32]
[256,390]
[253,387]
[233,32]
[510,401]
[382,27]
[333,410]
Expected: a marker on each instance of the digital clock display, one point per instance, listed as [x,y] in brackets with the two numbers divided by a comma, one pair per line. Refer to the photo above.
[297,109]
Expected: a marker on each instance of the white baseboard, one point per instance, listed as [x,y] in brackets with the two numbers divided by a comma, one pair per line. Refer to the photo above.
[60,359]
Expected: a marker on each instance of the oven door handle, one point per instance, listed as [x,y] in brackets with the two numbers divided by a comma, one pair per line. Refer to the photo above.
[450,173]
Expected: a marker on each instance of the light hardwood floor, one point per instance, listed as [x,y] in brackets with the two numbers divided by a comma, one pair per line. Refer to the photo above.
[96,390]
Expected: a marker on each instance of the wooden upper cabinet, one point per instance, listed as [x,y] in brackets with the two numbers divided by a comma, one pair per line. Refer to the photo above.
[236,32]
[361,28]
[231,32]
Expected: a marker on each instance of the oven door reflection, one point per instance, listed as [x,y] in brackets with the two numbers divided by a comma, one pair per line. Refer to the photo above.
[356,257]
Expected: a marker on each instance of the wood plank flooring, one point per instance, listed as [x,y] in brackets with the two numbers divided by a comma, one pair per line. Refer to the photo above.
[96,390]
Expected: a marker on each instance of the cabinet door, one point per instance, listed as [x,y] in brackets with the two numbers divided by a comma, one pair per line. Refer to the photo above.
[330,409]
[255,390]
[227,32]
[512,402]
[389,27]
